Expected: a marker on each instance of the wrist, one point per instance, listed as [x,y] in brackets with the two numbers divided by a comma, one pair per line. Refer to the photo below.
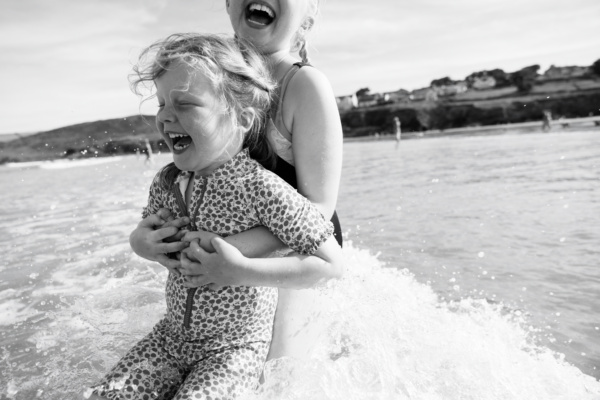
[245,269]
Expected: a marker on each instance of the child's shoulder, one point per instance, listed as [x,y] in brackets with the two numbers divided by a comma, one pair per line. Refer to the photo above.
[309,84]
[260,174]
[311,76]
[263,182]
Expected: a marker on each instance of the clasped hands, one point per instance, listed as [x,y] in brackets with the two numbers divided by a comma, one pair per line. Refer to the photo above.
[203,258]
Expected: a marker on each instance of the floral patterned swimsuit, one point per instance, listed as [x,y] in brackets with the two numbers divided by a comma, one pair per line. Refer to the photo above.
[213,344]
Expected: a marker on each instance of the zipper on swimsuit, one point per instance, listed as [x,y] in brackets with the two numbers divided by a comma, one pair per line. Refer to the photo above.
[188,307]
[187,317]
[180,200]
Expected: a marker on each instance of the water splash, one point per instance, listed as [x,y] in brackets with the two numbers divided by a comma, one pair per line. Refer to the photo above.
[376,334]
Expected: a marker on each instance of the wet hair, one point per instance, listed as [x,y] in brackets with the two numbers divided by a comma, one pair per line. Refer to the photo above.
[239,76]
[300,42]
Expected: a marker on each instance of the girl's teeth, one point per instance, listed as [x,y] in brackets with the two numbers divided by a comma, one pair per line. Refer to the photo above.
[260,7]
[180,147]
[175,138]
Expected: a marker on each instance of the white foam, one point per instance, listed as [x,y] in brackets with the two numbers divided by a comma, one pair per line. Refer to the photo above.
[376,334]
[63,164]
[12,310]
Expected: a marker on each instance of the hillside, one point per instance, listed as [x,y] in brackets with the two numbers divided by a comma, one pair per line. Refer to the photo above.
[571,98]
[91,139]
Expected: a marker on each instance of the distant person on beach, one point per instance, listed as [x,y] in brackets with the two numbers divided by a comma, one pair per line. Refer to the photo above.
[304,128]
[546,120]
[214,94]
[148,152]
[397,130]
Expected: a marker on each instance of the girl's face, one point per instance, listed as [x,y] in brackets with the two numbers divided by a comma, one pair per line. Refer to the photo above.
[192,121]
[269,24]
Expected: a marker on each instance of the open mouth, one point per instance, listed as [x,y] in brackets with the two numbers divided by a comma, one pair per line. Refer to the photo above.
[259,14]
[180,141]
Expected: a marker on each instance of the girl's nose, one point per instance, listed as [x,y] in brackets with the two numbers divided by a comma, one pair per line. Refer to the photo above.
[165,114]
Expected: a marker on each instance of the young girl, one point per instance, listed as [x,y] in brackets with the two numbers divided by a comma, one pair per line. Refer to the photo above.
[213,93]
[305,129]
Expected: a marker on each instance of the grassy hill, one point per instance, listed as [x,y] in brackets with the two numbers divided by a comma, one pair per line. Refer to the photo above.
[91,139]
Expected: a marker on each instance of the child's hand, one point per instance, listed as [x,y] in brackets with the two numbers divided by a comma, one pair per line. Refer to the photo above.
[156,236]
[224,267]
[204,238]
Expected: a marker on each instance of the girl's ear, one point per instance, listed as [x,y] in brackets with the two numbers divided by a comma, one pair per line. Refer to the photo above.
[246,119]
[307,24]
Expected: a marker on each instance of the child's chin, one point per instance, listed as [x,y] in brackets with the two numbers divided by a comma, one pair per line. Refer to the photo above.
[180,164]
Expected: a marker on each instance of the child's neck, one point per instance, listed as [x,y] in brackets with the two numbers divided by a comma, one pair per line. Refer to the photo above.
[280,62]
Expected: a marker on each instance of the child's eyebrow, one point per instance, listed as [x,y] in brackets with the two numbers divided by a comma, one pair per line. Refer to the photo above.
[178,94]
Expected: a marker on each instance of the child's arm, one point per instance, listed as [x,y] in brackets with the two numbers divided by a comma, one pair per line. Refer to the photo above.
[256,242]
[294,220]
[310,110]
[227,266]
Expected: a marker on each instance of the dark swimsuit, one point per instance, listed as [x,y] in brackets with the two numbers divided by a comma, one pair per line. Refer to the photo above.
[287,171]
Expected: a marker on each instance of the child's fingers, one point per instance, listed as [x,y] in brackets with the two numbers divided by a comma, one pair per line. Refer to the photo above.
[169,263]
[196,252]
[171,247]
[195,281]
[177,222]
[151,221]
[214,287]
[163,233]
[165,261]
[189,267]
[178,237]
[220,245]
[164,214]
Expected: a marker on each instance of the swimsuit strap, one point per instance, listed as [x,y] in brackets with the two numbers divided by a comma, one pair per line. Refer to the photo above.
[276,114]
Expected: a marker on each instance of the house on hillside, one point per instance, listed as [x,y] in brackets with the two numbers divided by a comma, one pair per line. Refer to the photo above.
[346,103]
[483,82]
[399,96]
[424,94]
[564,72]
[369,99]
[451,89]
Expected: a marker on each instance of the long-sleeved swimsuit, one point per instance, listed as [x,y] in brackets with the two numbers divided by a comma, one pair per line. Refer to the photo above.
[213,344]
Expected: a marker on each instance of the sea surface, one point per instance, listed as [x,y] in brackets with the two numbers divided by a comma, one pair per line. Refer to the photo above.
[473,272]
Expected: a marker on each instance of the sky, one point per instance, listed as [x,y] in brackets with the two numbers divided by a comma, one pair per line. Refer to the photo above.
[65,62]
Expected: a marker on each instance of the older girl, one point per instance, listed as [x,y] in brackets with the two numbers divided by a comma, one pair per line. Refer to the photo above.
[305,130]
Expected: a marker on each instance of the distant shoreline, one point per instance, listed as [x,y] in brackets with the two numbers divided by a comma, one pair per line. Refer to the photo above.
[27,152]
[559,125]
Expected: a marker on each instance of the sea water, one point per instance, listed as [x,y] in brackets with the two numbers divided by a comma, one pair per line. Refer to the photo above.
[472,273]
